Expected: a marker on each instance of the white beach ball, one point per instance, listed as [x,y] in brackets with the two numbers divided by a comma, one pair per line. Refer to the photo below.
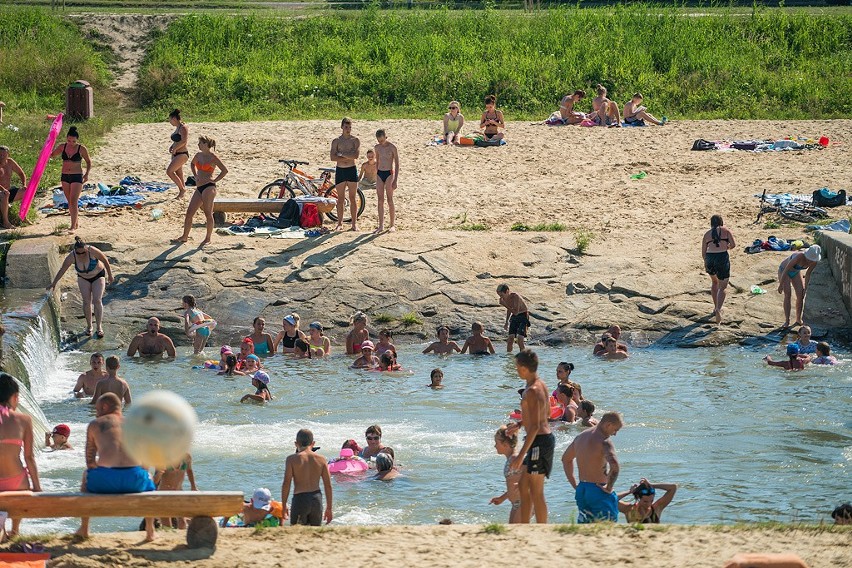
[158,429]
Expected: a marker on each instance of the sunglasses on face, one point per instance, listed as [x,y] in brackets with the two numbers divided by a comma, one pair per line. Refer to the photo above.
[645,491]
[453,108]
[374,438]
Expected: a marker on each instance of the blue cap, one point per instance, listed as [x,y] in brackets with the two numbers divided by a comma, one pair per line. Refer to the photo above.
[792,349]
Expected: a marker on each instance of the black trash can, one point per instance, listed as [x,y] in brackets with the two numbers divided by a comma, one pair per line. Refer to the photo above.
[79,100]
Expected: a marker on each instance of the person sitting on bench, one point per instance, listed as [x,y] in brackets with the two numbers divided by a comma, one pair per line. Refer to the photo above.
[109,468]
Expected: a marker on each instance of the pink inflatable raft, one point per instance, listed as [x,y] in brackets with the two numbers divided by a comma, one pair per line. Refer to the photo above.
[348,462]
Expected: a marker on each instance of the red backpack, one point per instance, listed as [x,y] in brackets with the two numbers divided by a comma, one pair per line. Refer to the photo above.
[310,216]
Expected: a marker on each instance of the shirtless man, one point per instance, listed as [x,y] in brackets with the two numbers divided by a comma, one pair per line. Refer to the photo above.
[151,342]
[612,331]
[87,382]
[535,458]
[517,316]
[8,192]
[598,466]
[477,343]
[611,350]
[566,108]
[108,467]
[304,469]
[113,383]
[443,346]
[387,163]
[345,149]
[171,479]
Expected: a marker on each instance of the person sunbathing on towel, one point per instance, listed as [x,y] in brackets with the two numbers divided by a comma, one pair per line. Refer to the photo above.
[566,108]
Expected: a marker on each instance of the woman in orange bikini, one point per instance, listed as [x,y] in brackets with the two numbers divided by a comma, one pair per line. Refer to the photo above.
[204,165]
[16,434]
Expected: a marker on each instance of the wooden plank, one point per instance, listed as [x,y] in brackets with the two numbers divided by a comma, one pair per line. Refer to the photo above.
[28,505]
[248,205]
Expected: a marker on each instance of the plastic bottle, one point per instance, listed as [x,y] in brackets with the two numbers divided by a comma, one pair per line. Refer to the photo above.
[156,214]
[755,289]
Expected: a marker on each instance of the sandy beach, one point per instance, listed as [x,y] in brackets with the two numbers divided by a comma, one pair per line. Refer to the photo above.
[462,546]
[643,268]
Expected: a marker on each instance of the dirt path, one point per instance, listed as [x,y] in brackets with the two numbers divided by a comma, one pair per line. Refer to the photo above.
[128,36]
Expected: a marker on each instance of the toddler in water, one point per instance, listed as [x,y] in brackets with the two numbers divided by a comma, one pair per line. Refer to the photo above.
[260,381]
[387,362]
[506,445]
[367,360]
[369,169]
[437,377]
[478,344]
[824,356]
[230,368]
[796,362]
[60,436]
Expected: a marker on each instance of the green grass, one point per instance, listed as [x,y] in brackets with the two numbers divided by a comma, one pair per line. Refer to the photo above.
[411,318]
[40,55]
[583,238]
[770,64]
[61,228]
[540,227]
[383,318]
[771,225]
[494,528]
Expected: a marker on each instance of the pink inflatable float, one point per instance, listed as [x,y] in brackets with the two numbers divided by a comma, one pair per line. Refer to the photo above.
[348,462]
[43,158]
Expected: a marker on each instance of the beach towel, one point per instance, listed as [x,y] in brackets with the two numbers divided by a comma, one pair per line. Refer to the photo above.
[778,199]
[635,123]
[842,226]
[97,200]
[555,119]
[136,184]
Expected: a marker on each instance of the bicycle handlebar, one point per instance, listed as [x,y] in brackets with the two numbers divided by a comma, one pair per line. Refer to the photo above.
[293,163]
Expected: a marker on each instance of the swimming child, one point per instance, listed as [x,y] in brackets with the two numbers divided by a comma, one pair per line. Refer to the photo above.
[507,445]
[824,356]
[478,344]
[224,351]
[302,350]
[367,176]
[358,334]
[196,323]
[565,396]
[251,364]
[367,360]
[585,411]
[260,381]
[230,368]
[385,344]
[807,346]
[387,362]
[443,346]
[246,349]
[60,436]
[796,362]
[437,377]
[317,341]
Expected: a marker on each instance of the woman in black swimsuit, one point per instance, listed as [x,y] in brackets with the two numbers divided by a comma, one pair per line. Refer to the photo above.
[492,119]
[204,165]
[288,336]
[714,250]
[93,274]
[73,176]
[178,151]
[644,509]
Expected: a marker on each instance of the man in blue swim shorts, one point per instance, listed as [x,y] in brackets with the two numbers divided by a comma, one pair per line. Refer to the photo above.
[109,468]
[598,467]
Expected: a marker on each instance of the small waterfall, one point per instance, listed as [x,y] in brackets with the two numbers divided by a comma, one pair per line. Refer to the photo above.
[38,357]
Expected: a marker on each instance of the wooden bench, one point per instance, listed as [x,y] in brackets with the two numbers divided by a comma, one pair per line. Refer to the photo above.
[223,206]
[201,506]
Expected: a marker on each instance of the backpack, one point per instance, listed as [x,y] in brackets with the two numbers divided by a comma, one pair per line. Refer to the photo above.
[289,215]
[702,144]
[310,216]
[827,198]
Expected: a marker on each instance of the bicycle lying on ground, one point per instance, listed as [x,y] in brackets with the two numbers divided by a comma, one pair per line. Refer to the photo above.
[296,182]
[799,211]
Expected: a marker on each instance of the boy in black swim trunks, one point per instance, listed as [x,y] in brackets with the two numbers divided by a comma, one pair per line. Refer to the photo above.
[517,316]
[304,469]
[535,458]
[387,160]
[8,192]
[345,149]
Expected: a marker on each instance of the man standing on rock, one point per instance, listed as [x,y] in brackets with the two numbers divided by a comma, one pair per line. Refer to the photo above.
[535,459]
[345,149]
[517,316]
[151,342]
[598,467]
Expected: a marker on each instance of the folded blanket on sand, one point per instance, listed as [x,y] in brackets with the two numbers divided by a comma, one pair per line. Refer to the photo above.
[133,182]
[98,200]
[842,226]
[785,198]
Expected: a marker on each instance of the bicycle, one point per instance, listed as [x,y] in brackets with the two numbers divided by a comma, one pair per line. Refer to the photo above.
[799,211]
[296,180]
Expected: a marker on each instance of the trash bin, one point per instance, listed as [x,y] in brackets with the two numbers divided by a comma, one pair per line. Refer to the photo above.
[79,100]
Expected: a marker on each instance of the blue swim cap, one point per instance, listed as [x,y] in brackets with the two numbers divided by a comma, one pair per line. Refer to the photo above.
[792,349]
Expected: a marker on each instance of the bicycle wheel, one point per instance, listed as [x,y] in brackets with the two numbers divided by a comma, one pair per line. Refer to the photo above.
[276,190]
[359,197]
[799,214]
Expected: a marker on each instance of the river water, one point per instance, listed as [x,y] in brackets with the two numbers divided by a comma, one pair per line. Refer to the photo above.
[745,442]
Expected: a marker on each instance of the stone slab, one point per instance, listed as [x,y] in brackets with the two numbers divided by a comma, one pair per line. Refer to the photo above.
[32,263]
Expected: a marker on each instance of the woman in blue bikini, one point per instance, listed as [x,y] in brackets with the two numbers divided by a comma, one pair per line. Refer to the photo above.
[93,275]
[790,278]
[263,343]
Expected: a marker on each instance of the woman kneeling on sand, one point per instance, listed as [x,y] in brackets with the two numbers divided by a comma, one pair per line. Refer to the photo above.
[204,164]
[644,509]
